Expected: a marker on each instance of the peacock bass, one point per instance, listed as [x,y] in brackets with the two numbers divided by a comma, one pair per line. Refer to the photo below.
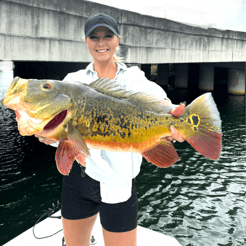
[101,115]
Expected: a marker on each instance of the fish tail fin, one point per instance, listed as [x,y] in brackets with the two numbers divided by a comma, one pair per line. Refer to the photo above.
[203,126]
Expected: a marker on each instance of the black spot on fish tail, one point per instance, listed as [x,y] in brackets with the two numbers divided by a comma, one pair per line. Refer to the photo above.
[195,120]
[189,121]
[181,120]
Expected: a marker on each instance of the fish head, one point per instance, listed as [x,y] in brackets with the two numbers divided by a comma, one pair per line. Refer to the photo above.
[39,105]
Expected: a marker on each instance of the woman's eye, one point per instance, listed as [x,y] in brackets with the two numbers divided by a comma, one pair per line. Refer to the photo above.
[109,36]
[93,37]
[46,85]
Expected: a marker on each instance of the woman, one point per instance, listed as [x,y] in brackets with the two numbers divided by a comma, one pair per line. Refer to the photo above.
[107,184]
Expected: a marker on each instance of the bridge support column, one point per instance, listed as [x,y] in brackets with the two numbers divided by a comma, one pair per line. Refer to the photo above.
[206,77]
[6,76]
[221,80]
[146,68]
[163,70]
[236,82]
[181,75]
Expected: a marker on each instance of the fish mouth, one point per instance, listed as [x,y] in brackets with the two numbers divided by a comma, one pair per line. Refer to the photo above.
[56,121]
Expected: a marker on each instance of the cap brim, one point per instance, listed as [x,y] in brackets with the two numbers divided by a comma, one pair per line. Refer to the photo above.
[95,26]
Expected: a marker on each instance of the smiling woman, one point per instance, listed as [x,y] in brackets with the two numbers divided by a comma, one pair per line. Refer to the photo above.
[107,184]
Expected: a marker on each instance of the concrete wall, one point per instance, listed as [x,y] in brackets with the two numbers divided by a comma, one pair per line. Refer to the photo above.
[43,30]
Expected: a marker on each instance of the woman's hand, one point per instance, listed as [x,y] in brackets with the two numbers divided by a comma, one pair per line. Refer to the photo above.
[44,140]
[175,136]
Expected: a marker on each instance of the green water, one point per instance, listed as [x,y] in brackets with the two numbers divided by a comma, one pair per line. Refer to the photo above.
[197,201]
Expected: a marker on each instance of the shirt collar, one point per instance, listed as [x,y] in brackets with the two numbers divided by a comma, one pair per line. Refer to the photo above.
[120,65]
[90,68]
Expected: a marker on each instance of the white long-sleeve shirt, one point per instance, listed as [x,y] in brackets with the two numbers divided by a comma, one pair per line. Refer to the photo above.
[115,170]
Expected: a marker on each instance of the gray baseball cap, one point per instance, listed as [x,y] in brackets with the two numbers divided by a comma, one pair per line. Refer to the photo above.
[101,20]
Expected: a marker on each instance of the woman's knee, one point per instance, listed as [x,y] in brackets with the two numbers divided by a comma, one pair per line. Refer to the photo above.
[78,232]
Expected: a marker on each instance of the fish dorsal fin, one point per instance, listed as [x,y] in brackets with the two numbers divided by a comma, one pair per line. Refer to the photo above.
[150,102]
[110,87]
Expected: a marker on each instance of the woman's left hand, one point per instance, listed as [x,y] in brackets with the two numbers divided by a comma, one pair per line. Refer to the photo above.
[175,136]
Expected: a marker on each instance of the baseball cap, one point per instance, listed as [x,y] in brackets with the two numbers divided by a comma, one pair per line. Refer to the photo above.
[101,20]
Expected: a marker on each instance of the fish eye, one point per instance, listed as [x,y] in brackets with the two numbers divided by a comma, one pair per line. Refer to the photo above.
[47,85]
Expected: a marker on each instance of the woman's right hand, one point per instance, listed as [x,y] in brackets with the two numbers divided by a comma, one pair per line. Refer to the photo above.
[44,140]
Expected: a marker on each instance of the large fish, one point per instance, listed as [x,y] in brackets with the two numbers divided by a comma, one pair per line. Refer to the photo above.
[104,116]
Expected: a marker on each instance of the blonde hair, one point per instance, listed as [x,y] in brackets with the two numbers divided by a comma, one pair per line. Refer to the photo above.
[117,56]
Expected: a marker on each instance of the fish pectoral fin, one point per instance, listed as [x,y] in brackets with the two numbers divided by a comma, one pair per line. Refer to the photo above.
[162,154]
[81,159]
[77,141]
[65,156]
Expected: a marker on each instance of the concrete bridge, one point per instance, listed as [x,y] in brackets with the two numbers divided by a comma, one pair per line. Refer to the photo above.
[51,33]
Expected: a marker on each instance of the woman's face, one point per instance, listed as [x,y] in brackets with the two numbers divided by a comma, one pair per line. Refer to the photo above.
[102,44]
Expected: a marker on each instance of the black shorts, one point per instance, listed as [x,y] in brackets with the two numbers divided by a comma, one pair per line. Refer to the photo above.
[81,199]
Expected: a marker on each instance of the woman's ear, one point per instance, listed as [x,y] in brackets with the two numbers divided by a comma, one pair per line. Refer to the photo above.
[118,40]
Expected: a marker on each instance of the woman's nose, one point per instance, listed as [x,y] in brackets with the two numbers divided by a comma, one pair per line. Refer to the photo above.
[101,41]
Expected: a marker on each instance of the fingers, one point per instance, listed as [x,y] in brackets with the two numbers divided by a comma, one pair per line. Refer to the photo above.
[179,110]
[175,134]
[44,140]
[169,138]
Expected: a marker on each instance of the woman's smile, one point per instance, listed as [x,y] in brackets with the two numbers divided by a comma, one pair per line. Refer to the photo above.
[102,50]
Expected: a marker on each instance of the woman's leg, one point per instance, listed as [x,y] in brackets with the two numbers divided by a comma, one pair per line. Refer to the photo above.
[120,238]
[119,221]
[78,232]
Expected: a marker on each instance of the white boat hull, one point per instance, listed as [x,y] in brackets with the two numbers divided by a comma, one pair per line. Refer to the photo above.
[49,226]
